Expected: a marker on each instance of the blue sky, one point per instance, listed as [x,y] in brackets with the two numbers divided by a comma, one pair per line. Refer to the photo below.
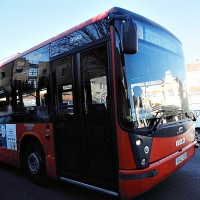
[26,23]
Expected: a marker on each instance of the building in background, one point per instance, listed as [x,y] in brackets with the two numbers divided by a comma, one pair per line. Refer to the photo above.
[193,80]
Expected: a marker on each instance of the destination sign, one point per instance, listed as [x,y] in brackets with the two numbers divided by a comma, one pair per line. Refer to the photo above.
[154,36]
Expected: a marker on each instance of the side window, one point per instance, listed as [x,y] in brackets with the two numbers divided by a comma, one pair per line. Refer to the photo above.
[30,89]
[94,69]
[5,89]
[64,107]
[24,85]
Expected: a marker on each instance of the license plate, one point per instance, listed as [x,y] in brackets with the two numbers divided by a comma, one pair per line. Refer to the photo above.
[181,158]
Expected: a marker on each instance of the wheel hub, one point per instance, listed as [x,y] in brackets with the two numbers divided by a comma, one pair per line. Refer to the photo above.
[34,163]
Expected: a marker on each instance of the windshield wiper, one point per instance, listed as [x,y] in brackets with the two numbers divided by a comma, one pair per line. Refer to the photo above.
[162,110]
[193,118]
[157,124]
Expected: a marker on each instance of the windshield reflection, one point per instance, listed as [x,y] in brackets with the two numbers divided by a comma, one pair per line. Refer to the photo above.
[155,82]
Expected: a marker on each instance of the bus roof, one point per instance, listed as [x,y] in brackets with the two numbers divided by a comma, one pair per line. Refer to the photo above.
[116,10]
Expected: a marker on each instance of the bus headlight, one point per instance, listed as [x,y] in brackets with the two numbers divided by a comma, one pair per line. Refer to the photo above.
[138,142]
[141,148]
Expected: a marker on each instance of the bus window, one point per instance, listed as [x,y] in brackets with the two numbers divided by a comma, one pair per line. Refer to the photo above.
[30,86]
[67,147]
[94,68]
[64,93]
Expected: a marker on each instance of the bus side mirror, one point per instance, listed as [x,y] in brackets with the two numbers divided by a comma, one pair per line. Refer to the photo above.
[129,39]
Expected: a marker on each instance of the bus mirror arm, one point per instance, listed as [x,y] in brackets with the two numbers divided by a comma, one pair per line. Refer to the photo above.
[129,37]
[124,17]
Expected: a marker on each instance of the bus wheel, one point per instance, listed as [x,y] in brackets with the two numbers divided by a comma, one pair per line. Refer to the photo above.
[35,162]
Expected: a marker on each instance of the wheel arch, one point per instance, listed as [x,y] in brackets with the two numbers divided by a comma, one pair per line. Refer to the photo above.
[23,145]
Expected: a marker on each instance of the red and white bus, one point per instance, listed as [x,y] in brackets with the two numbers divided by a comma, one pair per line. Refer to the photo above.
[101,105]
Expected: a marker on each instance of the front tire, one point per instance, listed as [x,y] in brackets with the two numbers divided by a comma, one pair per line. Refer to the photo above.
[35,162]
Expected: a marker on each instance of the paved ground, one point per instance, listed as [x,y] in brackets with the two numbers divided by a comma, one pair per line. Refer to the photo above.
[183,185]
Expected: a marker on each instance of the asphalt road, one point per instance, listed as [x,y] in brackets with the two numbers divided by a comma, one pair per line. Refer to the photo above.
[182,185]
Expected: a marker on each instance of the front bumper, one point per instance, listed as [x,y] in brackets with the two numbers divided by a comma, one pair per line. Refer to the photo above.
[133,183]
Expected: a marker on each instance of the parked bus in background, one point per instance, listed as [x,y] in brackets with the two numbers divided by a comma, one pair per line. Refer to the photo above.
[102,105]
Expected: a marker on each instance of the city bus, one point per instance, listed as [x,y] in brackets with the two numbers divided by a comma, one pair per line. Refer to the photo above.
[103,105]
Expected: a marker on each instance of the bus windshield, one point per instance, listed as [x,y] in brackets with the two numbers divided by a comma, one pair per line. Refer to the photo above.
[155,79]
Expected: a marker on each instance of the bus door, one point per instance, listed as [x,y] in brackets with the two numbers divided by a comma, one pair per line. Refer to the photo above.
[84,133]
[65,132]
